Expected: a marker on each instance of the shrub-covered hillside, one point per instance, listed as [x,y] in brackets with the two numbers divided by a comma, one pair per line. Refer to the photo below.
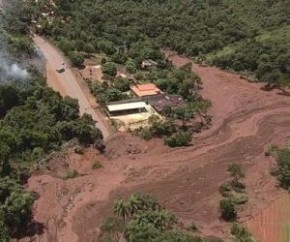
[138,28]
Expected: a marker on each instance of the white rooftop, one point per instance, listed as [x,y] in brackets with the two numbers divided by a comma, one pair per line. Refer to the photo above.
[126,106]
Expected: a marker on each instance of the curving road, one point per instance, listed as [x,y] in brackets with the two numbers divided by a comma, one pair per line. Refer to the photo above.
[66,83]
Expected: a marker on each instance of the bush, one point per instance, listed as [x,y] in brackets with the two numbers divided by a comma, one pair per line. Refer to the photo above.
[79,150]
[96,165]
[144,133]
[283,170]
[212,239]
[241,234]
[270,150]
[69,174]
[225,189]
[242,199]
[228,209]
[193,227]
[179,139]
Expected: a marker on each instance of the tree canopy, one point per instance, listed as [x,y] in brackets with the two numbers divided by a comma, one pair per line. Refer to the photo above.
[249,35]
[141,218]
[34,121]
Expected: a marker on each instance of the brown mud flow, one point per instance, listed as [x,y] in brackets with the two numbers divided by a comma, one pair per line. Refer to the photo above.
[245,121]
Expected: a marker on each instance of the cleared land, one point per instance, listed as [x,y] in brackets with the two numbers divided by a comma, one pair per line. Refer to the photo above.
[246,120]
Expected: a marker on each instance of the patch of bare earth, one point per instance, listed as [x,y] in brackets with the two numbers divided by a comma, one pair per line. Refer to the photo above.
[245,121]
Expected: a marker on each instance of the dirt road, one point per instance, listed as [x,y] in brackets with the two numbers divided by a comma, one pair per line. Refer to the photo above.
[246,120]
[65,82]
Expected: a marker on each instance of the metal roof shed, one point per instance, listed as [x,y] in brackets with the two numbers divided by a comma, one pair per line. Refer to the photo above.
[126,108]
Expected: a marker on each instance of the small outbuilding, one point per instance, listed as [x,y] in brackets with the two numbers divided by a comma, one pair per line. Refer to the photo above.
[144,90]
[148,63]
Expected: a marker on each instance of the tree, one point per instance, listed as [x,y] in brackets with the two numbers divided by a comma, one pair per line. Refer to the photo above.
[4,235]
[16,205]
[147,221]
[121,209]
[9,98]
[113,94]
[122,84]
[131,66]
[18,209]
[228,209]
[76,58]
[110,68]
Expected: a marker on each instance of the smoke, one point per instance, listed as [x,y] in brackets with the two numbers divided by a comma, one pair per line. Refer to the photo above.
[13,71]
[9,69]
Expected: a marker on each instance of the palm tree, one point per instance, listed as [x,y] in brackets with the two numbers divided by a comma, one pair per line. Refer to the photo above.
[121,209]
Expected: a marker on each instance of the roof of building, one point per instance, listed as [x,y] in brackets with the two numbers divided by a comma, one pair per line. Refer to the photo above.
[148,89]
[166,101]
[125,106]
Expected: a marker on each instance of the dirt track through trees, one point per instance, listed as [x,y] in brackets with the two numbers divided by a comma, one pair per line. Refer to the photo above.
[246,120]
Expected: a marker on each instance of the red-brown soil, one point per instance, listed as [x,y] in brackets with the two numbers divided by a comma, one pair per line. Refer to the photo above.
[245,121]
[273,223]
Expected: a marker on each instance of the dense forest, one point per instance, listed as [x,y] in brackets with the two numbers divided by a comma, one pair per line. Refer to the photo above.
[247,35]
[34,121]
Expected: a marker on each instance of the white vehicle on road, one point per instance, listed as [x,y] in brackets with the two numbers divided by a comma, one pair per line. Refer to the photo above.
[60,69]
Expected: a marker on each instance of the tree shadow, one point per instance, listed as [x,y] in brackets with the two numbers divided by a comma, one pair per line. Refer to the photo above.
[33,228]
[284,93]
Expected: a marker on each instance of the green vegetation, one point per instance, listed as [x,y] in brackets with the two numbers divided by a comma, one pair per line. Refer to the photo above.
[177,134]
[141,218]
[109,68]
[35,121]
[97,165]
[237,174]
[76,58]
[179,139]
[233,193]
[128,45]
[249,35]
[282,171]
[70,174]
[228,209]
[241,234]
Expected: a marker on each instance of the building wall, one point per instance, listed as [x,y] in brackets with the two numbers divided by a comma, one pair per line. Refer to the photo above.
[127,112]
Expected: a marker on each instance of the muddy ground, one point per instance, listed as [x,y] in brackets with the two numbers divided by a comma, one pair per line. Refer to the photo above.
[245,121]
